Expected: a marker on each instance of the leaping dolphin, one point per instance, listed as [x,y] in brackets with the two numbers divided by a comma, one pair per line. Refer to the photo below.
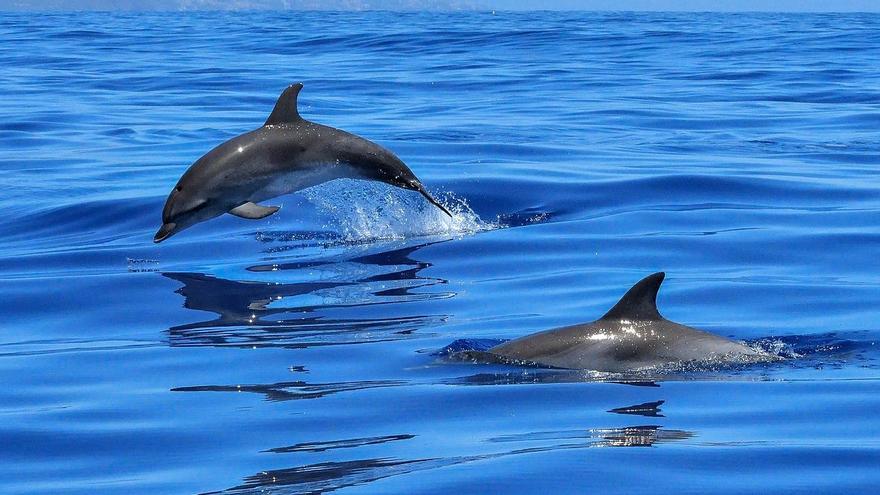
[286,154]
[631,336]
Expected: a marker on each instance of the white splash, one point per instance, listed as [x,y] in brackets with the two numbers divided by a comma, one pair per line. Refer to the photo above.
[363,211]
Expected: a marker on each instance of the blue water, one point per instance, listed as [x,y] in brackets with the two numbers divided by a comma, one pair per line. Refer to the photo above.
[299,354]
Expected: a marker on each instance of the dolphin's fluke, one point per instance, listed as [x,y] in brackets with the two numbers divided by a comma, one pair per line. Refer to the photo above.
[640,302]
[433,201]
[285,108]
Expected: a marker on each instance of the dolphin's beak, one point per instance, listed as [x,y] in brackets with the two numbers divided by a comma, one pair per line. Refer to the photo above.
[165,231]
[433,201]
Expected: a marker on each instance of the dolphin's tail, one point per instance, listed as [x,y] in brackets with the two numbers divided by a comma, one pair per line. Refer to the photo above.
[433,201]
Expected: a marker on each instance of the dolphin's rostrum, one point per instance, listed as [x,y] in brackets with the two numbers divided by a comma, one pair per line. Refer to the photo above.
[286,154]
[631,336]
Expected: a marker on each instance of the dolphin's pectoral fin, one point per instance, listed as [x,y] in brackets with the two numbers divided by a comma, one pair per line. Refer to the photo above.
[285,108]
[253,211]
[640,302]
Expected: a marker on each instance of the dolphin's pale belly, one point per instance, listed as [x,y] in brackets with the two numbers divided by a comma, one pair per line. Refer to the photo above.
[303,178]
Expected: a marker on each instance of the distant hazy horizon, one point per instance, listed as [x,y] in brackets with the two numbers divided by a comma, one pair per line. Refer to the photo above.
[696,5]
[590,5]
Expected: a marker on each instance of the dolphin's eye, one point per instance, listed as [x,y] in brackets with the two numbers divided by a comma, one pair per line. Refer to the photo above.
[178,188]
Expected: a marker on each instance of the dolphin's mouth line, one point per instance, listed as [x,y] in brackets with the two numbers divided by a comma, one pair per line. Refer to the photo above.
[168,228]
[165,231]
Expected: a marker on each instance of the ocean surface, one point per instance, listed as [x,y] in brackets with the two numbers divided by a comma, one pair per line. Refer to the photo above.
[738,153]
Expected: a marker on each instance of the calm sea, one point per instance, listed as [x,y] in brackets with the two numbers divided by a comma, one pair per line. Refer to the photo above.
[298,354]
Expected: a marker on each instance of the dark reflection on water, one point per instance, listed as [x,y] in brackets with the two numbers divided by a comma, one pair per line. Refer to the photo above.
[331,476]
[537,376]
[338,444]
[327,477]
[647,409]
[629,436]
[237,303]
[637,436]
[253,313]
[294,390]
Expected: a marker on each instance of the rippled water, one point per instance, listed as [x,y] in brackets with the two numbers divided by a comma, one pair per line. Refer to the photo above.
[299,354]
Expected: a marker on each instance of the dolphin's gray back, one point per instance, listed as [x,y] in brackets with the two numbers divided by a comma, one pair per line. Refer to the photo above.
[620,346]
[298,142]
[630,336]
[254,160]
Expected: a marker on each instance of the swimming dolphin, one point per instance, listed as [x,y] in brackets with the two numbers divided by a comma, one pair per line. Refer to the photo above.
[287,154]
[632,335]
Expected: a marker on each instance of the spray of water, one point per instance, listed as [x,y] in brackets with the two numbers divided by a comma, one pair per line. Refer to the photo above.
[366,212]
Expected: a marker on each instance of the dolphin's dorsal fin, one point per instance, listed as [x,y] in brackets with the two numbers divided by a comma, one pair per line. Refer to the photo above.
[640,302]
[285,108]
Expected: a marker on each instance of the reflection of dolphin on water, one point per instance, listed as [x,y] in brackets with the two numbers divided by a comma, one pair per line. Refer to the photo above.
[285,155]
[332,476]
[627,436]
[238,303]
[305,313]
[631,336]
[296,390]
[647,409]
